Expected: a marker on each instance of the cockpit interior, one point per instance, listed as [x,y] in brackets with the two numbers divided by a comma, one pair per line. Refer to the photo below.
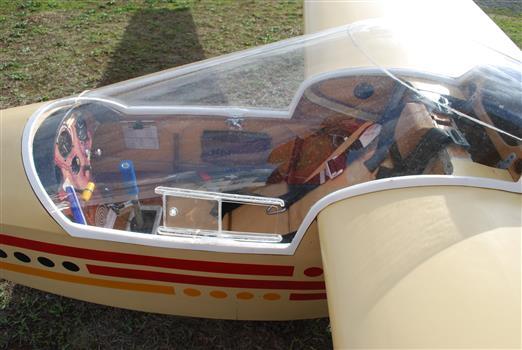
[255,177]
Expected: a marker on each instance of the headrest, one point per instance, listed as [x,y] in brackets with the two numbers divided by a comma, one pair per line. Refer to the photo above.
[413,123]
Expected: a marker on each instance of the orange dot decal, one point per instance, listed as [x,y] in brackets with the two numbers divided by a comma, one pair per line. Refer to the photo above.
[244,295]
[218,294]
[271,296]
[313,271]
[191,292]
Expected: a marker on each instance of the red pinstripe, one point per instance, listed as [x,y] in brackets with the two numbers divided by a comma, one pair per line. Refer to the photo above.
[204,280]
[156,261]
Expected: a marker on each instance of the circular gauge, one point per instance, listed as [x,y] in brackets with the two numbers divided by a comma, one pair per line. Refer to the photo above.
[363,91]
[81,129]
[64,143]
[75,165]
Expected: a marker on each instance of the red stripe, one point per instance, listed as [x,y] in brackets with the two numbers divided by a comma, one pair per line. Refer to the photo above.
[204,280]
[308,296]
[134,259]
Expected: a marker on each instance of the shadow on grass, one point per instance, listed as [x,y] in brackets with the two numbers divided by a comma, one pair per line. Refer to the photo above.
[37,320]
[155,39]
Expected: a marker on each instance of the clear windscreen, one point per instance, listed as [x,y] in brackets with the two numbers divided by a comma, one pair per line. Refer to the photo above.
[265,78]
[242,147]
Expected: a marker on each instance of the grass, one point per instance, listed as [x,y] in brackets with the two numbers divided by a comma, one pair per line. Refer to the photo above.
[53,48]
[510,21]
[36,320]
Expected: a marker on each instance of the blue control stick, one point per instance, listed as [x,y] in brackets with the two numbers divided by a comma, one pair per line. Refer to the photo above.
[76,209]
[131,184]
[129,177]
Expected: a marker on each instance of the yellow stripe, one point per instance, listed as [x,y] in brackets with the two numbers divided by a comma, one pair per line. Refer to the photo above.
[87,280]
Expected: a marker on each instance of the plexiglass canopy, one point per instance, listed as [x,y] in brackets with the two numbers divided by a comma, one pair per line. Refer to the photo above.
[239,148]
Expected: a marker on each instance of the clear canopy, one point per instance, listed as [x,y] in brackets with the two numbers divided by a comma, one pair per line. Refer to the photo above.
[240,147]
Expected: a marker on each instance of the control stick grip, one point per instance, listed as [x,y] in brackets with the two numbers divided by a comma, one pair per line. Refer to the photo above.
[131,184]
[129,177]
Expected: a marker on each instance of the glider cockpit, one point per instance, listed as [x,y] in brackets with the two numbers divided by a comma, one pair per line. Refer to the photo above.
[173,156]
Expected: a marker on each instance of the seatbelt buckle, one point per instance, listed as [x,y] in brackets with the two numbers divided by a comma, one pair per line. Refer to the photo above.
[335,166]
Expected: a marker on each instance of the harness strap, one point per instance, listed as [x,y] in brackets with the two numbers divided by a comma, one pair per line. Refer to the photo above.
[389,122]
[430,144]
[336,163]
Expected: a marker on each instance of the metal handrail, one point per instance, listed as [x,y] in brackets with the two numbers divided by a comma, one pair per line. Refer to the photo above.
[225,197]
[219,197]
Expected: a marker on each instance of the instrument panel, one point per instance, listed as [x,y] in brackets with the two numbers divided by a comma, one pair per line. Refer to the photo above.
[73,149]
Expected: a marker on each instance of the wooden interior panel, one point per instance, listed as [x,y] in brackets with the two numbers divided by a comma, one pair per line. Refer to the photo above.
[503,148]
[342,90]
[110,139]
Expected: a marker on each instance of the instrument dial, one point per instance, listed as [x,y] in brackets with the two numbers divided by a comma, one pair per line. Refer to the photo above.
[64,143]
[81,129]
[76,165]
